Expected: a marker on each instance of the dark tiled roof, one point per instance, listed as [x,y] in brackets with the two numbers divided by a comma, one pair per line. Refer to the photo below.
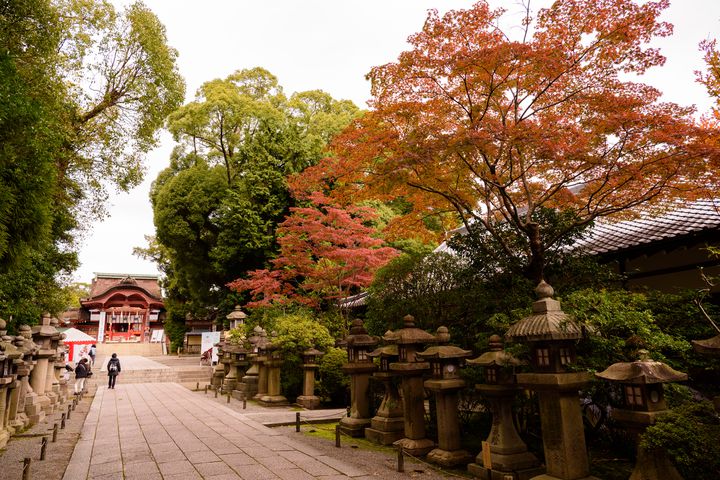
[606,237]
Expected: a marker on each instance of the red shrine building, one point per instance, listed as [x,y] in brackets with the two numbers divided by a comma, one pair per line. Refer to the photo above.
[122,308]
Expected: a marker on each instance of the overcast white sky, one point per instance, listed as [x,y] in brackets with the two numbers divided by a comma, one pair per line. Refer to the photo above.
[328,45]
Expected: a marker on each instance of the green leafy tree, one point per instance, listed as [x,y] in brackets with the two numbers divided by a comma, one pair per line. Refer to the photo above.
[218,204]
[83,90]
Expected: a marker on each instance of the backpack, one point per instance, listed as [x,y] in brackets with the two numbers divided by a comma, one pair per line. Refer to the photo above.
[112,368]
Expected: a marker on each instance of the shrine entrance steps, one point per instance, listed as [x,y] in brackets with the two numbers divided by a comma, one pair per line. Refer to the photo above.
[163,369]
[128,348]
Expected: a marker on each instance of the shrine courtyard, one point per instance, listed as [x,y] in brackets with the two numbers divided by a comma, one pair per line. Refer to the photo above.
[167,430]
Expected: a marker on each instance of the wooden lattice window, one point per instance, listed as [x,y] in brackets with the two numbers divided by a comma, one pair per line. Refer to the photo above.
[491,375]
[565,356]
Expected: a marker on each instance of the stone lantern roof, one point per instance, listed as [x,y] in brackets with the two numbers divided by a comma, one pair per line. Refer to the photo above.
[640,372]
[496,357]
[44,329]
[548,321]
[444,352]
[409,334]
[312,351]
[236,314]
[385,351]
[358,336]
[710,346]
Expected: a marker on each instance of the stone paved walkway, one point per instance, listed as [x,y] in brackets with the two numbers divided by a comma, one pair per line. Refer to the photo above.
[132,362]
[164,431]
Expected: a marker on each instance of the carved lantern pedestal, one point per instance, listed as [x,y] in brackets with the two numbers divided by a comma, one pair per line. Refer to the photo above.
[509,456]
[641,382]
[360,367]
[551,335]
[409,340]
[310,365]
[273,364]
[25,395]
[445,383]
[388,425]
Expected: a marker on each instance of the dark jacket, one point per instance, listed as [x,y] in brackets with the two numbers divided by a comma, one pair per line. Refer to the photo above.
[81,371]
[112,361]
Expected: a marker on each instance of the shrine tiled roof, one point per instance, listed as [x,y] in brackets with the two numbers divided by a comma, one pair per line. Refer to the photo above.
[605,237]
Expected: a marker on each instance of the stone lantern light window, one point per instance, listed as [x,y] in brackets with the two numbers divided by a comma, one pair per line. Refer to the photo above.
[566,355]
[491,374]
[362,355]
[543,357]
[436,369]
[634,396]
[402,354]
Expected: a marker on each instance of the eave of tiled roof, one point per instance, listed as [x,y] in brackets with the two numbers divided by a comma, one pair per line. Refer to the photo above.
[606,237]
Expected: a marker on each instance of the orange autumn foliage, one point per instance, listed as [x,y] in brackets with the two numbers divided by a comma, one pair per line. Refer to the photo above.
[495,125]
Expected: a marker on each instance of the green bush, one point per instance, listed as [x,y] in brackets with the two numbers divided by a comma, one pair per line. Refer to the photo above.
[689,434]
[333,383]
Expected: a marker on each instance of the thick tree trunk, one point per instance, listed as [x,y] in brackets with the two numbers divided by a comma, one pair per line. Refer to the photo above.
[536,264]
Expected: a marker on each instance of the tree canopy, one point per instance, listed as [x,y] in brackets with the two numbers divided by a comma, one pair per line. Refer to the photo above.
[83,90]
[493,126]
[217,206]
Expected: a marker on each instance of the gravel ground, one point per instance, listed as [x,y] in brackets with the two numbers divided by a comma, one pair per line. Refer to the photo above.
[57,455]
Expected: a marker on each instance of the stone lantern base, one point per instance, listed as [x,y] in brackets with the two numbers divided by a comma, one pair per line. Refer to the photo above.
[273,401]
[34,408]
[354,427]
[519,472]
[385,430]
[311,402]
[446,458]
[416,448]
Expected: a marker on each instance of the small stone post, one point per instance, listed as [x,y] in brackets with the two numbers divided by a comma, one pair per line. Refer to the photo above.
[310,365]
[360,366]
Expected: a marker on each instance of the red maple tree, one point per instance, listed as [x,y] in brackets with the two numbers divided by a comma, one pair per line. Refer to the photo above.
[496,125]
[326,252]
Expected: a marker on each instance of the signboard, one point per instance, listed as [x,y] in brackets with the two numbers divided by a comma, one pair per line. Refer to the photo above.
[157,336]
[207,342]
[101,328]
[486,457]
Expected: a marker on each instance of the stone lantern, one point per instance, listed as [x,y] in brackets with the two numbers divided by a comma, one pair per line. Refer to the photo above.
[218,374]
[409,341]
[388,425]
[273,364]
[249,384]
[236,317]
[260,359]
[643,400]
[42,336]
[308,399]
[551,335]
[9,353]
[709,347]
[445,383]
[360,367]
[237,359]
[509,456]
[28,407]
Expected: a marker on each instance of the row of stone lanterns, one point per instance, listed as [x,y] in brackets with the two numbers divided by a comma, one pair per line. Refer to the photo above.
[261,381]
[551,336]
[31,382]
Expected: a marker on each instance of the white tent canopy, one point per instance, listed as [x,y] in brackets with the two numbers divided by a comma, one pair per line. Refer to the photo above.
[75,335]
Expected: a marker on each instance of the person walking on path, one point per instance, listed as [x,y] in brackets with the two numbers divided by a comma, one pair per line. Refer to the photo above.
[81,373]
[92,353]
[113,368]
